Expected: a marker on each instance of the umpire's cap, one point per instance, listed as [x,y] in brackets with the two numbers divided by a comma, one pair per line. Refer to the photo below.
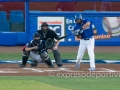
[44,24]
[78,17]
[36,34]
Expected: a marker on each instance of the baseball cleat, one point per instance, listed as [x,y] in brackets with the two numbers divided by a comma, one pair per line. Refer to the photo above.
[91,69]
[34,64]
[77,65]
[51,66]
[59,65]
[22,65]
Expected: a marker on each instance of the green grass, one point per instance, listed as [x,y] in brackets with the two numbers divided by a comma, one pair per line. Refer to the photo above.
[27,85]
[64,55]
[55,83]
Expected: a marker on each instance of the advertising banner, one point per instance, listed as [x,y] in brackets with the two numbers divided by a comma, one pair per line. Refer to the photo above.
[55,23]
[106,29]
[70,26]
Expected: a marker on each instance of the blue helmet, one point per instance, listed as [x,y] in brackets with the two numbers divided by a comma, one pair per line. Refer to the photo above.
[78,17]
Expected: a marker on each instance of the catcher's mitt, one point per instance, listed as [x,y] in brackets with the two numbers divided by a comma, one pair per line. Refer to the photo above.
[49,43]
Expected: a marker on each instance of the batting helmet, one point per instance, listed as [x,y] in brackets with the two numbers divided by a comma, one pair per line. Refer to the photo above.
[44,24]
[78,17]
[36,34]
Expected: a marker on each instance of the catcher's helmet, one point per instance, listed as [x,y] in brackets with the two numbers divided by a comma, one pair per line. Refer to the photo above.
[36,34]
[44,24]
[78,17]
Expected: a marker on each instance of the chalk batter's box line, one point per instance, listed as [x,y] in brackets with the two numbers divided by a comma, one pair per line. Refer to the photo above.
[64,61]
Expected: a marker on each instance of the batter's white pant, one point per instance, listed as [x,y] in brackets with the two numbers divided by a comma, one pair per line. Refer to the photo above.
[35,56]
[89,44]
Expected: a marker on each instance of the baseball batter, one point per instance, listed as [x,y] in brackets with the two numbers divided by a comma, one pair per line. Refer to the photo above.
[37,51]
[83,30]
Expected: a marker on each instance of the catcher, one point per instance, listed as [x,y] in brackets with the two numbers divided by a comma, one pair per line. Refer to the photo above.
[37,51]
[49,36]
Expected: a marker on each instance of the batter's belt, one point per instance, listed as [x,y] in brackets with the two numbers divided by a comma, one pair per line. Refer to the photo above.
[87,38]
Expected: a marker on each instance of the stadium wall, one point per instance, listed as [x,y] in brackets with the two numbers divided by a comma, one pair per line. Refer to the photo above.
[63,22]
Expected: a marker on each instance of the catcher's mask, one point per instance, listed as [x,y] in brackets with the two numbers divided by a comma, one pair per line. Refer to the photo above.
[36,37]
[78,18]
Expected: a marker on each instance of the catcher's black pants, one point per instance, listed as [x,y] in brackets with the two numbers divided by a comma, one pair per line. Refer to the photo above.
[57,57]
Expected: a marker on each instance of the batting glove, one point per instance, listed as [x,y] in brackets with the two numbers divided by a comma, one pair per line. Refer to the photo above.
[76,32]
[81,31]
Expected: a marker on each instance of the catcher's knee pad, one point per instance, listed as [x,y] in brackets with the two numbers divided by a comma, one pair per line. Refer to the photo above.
[25,53]
[44,55]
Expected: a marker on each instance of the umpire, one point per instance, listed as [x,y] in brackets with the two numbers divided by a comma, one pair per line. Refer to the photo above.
[48,33]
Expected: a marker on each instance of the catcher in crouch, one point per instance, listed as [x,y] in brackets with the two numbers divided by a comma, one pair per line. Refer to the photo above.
[37,51]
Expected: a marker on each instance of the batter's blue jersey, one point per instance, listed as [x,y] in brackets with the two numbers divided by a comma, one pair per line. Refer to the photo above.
[88,32]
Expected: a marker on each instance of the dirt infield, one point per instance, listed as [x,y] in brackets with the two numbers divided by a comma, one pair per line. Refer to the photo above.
[64,49]
[43,70]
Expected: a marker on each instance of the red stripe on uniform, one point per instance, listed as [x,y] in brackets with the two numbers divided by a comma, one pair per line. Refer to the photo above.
[24,48]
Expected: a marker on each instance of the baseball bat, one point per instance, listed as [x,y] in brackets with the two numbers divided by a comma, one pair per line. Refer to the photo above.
[64,36]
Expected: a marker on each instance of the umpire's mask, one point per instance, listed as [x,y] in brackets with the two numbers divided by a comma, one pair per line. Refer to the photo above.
[44,26]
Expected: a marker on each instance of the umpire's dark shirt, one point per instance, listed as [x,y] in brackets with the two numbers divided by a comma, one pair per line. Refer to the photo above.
[48,34]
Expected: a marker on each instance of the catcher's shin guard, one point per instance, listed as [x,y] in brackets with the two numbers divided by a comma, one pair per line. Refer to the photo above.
[49,63]
[25,56]
[24,60]
[46,58]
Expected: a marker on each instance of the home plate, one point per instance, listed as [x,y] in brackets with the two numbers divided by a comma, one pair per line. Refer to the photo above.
[51,70]
[64,69]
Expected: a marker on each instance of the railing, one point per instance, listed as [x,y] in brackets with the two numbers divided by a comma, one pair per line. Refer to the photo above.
[59,0]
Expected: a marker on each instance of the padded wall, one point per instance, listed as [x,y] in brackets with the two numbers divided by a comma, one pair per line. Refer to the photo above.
[7,39]
[22,38]
[13,38]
